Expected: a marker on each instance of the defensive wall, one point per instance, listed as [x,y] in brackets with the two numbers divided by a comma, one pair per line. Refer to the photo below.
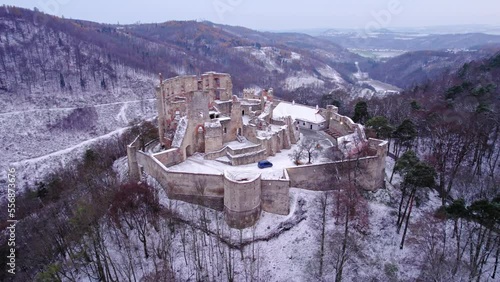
[199,114]
[242,197]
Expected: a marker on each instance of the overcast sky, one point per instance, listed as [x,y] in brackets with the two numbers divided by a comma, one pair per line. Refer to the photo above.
[279,14]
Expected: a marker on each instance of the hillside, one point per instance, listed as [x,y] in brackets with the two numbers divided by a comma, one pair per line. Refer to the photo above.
[88,56]
[409,40]
[65,81]
[456,123]
[72,95]
[414,68]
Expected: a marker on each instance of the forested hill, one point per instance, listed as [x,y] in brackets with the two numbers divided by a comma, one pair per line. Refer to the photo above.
[42,54]
[454,123]
[414,68]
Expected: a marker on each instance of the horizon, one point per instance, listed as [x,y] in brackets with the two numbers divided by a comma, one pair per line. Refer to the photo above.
[318,15]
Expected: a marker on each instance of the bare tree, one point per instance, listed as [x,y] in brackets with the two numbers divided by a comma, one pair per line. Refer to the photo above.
[296,155]
[137,206]
[310,148]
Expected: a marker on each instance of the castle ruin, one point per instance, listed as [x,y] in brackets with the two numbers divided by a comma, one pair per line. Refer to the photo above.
[199,115]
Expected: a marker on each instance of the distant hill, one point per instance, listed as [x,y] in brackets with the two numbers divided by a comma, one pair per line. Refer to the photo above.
[408,41]
[414,68]
[46,60]
[474,87]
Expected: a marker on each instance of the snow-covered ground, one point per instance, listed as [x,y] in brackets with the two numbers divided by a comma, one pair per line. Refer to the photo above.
[38,142]
[332,74]
[286,248]
[302,79]
[381,88]
[268,56]
[282,160]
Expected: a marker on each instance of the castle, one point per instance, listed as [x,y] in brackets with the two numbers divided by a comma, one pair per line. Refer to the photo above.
[199,115]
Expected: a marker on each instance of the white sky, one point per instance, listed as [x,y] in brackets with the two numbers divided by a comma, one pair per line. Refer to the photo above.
[278,14]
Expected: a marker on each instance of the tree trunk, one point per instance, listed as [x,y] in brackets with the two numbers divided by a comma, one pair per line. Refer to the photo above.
[324,201]
[412,195]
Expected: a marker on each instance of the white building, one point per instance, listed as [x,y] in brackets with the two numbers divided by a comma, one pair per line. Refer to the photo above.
[304,116]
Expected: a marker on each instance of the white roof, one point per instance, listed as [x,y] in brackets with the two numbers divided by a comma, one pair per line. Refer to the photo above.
[297,111]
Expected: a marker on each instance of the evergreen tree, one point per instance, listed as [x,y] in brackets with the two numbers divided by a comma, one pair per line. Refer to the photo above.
[381,126]
[361,114]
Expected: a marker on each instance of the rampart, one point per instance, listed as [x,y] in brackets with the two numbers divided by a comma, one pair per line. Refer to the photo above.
[243,196]
[366,172]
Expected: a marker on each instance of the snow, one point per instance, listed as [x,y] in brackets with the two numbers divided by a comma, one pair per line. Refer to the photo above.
[332,74]
[266,111]
[297,111]
[301,79]
[224,118]
[285,247]
[180,132]
[35,144]
[267,55]
[381,88]
[295,56]
[197,164]
[246,119]
[242,176]
[32,170]
[240,145]
[122,116]
[250,102]
[213,124]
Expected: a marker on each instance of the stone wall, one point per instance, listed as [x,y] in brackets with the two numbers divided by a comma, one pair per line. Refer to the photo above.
[152,167]
[216,154]
[250,132]
[224,107]
[213,136]
[244,150]
[368,172]
[197,184]
[169,157]
[248,158]
[177,94]
[242,194]
[275,195]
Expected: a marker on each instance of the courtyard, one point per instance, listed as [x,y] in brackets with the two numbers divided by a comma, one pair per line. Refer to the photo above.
[197,163]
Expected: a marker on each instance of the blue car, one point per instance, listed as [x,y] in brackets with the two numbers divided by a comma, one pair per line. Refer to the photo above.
[264,164]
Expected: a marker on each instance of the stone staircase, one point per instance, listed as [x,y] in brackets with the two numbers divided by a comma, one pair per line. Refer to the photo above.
[241,139]
[225,160]
[334,133]
[242,156]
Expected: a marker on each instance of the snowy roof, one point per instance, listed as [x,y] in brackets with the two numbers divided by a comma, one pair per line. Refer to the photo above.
[297,111]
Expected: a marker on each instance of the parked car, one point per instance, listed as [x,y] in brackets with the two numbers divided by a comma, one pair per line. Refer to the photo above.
[264,164]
